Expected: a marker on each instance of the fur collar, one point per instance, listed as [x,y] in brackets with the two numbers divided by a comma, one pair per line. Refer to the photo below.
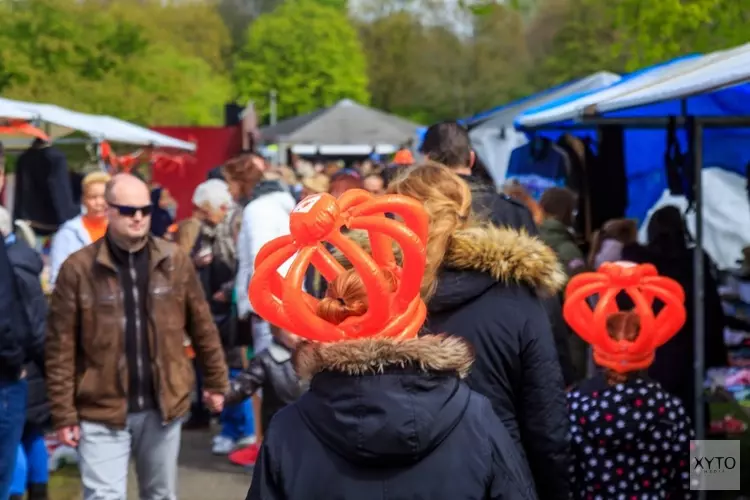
[429,353]
[508,255]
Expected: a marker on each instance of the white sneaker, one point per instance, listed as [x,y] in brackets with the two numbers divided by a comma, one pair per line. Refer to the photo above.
[246,441]
[222,445]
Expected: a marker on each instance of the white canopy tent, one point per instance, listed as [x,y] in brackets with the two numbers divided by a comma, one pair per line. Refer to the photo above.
[58,122]
[9,110]
[675,81]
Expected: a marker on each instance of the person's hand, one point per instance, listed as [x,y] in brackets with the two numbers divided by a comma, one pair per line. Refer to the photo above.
[69,436]
[219,296]
[203,260]
[214,401]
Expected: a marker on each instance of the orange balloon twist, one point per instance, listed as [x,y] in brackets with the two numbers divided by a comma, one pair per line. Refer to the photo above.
[643,285]
[319,218]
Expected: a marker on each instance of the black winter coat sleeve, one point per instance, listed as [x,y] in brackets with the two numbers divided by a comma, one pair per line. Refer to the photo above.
[543,418]
[8,345]
[34,304]
[244,385]
[59,186]
[510,478]
[562,334]
[265,478]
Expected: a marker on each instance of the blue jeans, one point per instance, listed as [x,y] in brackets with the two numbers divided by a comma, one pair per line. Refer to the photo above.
[237,420]
[32,463]
[12,419]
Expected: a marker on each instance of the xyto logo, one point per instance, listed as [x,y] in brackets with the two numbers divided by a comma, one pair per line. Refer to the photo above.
[714,465]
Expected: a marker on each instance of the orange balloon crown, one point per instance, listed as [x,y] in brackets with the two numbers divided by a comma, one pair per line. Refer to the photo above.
[319,218]
[643,285]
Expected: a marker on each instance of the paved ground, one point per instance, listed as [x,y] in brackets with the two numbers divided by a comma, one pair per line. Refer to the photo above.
[202,476]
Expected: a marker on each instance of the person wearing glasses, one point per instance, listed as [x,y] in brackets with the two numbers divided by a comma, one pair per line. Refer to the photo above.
[82,229]
[118,380]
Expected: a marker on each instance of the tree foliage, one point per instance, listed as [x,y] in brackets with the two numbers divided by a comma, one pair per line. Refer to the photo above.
[109,60]
[308,53]
[627,35]
[179,61]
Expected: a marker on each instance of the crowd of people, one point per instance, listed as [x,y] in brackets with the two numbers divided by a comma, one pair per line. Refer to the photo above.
[142,338]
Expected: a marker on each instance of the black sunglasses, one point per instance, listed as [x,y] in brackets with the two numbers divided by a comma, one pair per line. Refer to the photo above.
[130,211]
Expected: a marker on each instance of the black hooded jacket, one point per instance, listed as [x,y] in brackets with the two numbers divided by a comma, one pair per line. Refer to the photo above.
[502,211]
[27,267]
[393,422]
[499,209]
[487,292]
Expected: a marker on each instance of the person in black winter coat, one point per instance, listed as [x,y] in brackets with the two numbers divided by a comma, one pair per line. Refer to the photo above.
[31,467]
[483,283]
[386,418]
[448,144]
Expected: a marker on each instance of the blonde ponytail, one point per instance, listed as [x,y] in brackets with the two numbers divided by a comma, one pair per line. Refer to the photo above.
[447,199]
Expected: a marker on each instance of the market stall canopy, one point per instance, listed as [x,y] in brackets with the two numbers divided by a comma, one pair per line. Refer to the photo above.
[507,113]
[677,79]
[59,122]
[686,78]
[11,111]
[697,85]
[346,128]
[492,132]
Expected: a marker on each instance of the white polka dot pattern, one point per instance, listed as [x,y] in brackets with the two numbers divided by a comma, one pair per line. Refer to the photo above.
[630,442]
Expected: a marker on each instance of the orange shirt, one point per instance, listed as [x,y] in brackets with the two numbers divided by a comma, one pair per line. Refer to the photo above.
[95,227]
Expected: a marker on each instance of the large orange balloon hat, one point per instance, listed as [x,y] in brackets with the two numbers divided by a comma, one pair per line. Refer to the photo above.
[319,218]
[643,284]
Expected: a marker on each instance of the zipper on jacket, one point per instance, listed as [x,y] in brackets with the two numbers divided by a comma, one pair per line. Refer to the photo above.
[138,333]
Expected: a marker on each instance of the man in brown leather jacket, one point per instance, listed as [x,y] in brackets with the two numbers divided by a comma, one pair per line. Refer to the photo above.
[119,381]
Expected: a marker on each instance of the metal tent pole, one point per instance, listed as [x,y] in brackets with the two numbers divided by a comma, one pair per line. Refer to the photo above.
[699,330]
[698,269]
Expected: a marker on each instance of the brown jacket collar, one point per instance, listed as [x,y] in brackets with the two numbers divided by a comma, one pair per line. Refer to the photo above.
[159,252]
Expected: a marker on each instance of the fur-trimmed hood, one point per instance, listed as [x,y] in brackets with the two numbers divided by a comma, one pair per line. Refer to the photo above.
[428,353]
[383,403]
[506,255]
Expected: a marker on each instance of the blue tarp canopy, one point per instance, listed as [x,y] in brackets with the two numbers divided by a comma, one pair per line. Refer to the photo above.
[711,85]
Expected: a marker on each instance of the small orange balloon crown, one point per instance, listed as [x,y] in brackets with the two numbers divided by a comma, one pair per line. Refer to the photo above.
[319,218]
[643,284]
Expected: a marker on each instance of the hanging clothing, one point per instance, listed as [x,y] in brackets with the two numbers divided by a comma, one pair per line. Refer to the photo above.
[538,165]
[161,219]
[608,181]
[43,195]
[580,155]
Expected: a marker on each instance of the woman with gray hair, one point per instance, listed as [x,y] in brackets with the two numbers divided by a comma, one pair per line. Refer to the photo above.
[214,253]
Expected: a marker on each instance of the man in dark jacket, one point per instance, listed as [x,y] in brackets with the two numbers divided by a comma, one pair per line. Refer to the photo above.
[19,343]
[448,143]
[118,380]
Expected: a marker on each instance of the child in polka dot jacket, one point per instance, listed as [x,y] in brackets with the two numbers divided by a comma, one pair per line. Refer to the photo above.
[630,438]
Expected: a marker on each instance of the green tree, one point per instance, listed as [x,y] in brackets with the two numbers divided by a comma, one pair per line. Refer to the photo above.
[191,28]
[86,58]
[309,53]
[584,36]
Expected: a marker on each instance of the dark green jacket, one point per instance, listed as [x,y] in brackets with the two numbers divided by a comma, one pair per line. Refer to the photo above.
[559,238]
